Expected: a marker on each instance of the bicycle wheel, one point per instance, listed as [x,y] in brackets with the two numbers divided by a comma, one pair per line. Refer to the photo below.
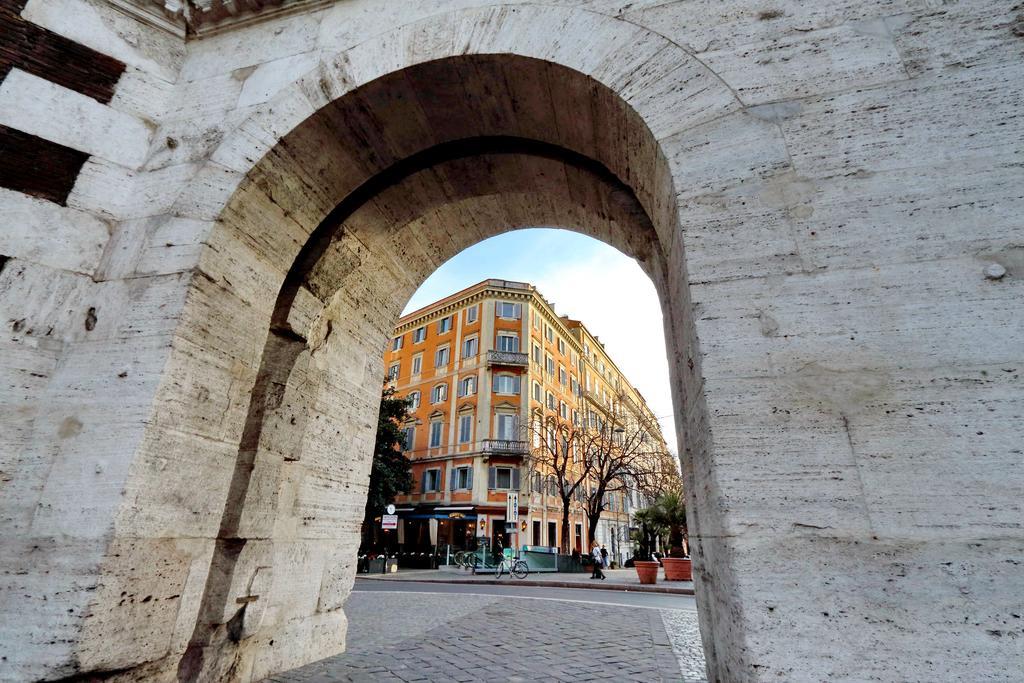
[459,558]
[498,569]
[520,569]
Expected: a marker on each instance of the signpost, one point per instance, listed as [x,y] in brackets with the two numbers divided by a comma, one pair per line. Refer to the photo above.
[512,508]
[389,522]
[512,519]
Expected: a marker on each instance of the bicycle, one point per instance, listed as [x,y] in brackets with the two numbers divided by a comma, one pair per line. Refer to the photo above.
[516,567]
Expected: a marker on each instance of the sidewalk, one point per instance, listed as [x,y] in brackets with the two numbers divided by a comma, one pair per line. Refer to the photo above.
[618,579]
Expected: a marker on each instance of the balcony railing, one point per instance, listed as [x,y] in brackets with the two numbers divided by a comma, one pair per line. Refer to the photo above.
[504,446]
[508,358]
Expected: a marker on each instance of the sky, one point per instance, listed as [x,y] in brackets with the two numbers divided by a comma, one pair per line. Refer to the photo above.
[584,279]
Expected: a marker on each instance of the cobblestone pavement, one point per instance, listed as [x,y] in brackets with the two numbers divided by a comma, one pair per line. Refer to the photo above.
[398,636]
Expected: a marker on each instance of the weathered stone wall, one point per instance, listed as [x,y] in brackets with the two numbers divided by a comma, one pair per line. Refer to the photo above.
[191,360]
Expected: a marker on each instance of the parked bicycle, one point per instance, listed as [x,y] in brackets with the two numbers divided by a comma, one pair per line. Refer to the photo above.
[514,566]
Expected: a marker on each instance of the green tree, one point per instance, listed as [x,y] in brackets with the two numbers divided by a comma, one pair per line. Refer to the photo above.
[391,472]
[670,510]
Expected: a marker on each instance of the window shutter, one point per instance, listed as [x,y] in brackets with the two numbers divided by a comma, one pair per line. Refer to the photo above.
[492,477]
[518,308]
[469,478]
[423,481]
[515,479]
[517,384]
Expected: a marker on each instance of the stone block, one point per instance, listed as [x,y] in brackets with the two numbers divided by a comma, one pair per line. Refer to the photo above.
[43,232]
[47,110]
[816,62]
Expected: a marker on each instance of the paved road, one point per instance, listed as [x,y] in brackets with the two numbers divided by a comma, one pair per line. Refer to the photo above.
[608,597]
[443,632]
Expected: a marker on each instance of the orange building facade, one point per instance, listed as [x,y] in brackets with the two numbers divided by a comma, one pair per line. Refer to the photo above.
[476,366]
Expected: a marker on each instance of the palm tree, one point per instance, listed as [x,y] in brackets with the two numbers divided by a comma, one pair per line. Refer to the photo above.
[670,510]
[645,536]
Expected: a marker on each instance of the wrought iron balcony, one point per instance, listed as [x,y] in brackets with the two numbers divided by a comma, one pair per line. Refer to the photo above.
[519,360]
[504,446]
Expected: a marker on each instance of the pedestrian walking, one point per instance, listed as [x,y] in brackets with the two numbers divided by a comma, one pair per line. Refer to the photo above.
[595,553]
[604,557]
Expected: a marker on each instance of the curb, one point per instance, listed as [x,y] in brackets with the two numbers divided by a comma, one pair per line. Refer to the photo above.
[540,584]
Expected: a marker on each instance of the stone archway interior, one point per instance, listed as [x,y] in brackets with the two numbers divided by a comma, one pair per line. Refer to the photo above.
[351,212]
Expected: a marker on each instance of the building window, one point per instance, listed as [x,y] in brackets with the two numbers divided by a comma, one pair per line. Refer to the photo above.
[436,432]
[563,410]
[431,480]
[551,401]
[506,384]
[536,353]
[417,364]
[471,313]
[393,371]
[549,333]
[469,347]
[467,387]
[396,343]
[575,386]
[508,425]
[508,342]
[503,478]
[441,357]
[444,325]
[508,310]
[419,335]
[440,393]
[576,417]
[465,428]
[563,376]
[414,400]
[538,482]
[536,392]
[462,478]
[574,358]
[552,487]
[549,362]
[410,437]
[561,346]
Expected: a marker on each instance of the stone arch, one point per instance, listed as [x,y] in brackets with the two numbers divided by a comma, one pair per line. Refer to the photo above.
[479,86]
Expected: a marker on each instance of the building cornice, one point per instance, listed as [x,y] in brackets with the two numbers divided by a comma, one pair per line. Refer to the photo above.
[201,18]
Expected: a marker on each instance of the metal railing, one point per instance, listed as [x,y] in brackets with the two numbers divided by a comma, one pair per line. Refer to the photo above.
[508,358]
[504,446]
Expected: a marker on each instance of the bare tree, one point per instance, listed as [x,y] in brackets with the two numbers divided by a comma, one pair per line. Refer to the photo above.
[626,451]
[555,451]
[660,476]
[618,450]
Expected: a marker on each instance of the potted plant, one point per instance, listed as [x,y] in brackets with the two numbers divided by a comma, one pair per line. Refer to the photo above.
[670,511]
[646,568]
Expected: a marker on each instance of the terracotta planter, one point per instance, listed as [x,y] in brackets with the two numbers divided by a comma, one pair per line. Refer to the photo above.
[647,572]
[678,569]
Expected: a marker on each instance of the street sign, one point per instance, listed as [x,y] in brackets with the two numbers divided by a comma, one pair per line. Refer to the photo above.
[512,507]
[391,508]
[389,522]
